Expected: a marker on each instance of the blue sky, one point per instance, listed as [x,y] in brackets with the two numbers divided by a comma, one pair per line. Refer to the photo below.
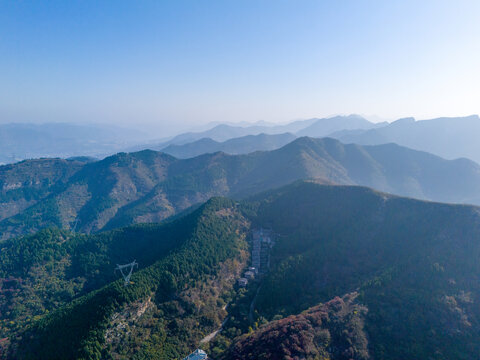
[184,63]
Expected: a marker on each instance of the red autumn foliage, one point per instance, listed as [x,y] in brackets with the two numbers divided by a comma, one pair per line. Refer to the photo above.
[333,330]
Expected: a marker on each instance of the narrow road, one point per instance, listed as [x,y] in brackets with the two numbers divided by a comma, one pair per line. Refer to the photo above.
[210,336]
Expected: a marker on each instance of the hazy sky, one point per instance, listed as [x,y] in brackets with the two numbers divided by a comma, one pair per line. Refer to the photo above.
[192,62]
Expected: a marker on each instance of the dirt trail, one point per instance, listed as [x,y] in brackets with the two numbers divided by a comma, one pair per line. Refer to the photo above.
[210,336]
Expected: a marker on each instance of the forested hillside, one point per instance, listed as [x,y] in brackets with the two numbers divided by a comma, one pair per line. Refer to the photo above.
[413,263]
[177,261]
[24,183]
[334,330]
[354,274]
[149,186]
[43,271]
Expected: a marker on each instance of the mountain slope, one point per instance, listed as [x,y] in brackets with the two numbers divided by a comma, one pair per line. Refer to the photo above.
[25,183]
[333,330]
[207,250]
[450,138]
[403,275]
[40,272]
[413,263]
[148,186]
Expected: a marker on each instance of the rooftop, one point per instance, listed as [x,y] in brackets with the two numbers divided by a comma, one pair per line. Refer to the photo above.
[198,354]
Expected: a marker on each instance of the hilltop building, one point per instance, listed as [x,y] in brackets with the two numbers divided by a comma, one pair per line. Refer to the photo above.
[198,354]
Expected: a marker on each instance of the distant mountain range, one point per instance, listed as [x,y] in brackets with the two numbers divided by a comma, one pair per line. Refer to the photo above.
[311,127]
[30,141]
[150,186]
[242,145]
[223,132]
[450,138]
[327,126]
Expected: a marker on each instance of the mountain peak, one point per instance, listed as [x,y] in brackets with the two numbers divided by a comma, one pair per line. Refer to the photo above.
[406,120]
[327,126]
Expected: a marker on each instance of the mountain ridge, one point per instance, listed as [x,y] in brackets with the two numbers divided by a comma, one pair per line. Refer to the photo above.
[236,146]
[448,137]
[318,127]
[149,186]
